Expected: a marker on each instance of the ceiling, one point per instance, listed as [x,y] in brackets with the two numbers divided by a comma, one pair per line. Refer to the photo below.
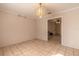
[30,8]
[61,6]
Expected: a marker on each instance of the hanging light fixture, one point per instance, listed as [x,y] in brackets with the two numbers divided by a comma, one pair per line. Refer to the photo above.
[41,11]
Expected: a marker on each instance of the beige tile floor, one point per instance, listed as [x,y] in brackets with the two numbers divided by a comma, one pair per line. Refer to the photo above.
[39,48]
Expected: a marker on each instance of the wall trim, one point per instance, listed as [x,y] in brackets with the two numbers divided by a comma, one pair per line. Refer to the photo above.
[14,13]
[67,10]
[9,12]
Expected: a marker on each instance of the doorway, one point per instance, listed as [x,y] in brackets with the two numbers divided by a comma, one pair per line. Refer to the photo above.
[54,29]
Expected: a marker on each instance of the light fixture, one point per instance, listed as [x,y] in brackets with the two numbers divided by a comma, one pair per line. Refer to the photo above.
[41,11]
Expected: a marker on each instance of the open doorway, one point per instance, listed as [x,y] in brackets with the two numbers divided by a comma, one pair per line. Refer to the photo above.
[54,29]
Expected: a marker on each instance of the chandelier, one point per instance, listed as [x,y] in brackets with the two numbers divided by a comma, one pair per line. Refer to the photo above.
[41,11]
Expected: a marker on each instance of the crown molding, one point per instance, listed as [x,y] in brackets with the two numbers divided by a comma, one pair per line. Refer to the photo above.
[16,13]
[9,11]
[56,12]
[67,10]
[12,13]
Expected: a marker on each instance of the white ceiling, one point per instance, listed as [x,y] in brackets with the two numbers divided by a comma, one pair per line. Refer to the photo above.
[30,8]
[26,9]
[61,6]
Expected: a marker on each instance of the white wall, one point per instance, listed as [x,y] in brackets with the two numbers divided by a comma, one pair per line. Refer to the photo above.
[70,27]
[42,32]
[15,29]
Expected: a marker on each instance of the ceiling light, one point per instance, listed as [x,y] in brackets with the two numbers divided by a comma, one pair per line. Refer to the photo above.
[41,11]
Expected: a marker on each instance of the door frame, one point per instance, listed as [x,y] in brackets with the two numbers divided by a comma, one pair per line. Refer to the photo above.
[61,25]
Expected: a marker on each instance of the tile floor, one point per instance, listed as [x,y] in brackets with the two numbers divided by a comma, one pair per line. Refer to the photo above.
[39,48]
